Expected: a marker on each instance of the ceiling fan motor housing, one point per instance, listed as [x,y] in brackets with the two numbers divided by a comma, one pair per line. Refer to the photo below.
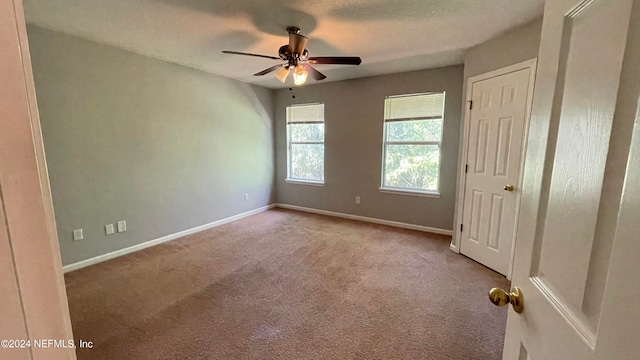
[286,55]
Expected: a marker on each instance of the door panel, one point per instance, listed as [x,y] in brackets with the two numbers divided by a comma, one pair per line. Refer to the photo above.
[584,129]
[12,325]
[496,132]
[524,355]
[495,221]
[573,199]
[481,150]
[476,213]
[504,146]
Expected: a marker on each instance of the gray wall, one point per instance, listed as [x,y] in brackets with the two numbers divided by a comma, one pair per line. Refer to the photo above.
[162,146]
[510,48]
[354,112]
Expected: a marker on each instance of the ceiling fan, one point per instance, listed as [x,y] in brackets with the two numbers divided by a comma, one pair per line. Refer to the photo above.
[297,60]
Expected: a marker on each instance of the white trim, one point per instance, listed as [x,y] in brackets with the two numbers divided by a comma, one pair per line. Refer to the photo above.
[397,191]
[439,143]
[368,219]
[414,94]
[304,182]
[150,243]
[144,245]
[527,64]
[290,144]
[33,270]
[385,142]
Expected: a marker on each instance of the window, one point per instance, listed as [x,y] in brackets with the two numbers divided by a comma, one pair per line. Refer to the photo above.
[305,143]
[412,140]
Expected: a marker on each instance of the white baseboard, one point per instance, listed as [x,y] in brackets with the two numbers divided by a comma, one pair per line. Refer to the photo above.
[144,245]
[368,219]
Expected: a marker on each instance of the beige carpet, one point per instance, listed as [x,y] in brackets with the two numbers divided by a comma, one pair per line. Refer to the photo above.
[289,285]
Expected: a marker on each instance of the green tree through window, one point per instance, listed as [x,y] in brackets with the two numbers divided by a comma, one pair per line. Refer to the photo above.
[412,141]
[305,142]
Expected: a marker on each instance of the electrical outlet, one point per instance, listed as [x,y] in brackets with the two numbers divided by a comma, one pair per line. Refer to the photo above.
[77,235]
[357,199]
[109,229]
[122,226]
[246,196]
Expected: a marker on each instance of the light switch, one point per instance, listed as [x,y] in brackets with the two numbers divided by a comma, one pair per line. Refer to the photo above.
[77,235]
[109,229]
[122,226]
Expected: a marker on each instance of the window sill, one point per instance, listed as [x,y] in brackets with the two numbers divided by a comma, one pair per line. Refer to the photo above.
[304,182]
[428,194]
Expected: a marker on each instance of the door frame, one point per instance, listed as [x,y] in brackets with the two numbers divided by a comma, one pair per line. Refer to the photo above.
[530,64]
[30,226]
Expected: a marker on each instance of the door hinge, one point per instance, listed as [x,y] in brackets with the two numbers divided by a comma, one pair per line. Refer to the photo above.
[470,104]
[460,227]
[466,168]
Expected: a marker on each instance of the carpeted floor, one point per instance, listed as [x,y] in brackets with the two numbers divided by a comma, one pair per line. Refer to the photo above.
[289,285]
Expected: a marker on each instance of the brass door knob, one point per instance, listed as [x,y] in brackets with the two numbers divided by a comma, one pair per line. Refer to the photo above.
[500,297]
[509,187]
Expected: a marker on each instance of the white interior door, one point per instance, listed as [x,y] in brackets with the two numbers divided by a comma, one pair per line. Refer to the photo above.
[496,127]
[577,256]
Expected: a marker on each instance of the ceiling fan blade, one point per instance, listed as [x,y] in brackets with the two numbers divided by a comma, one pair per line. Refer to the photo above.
[269,70]
[297,43]
[249,54]
[315,74]
[336,60]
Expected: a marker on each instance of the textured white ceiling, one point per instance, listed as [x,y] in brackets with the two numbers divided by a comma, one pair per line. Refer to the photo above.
[389,35]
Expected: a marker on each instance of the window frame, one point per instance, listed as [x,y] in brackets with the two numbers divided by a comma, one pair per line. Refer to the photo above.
[412,191]
[290,179]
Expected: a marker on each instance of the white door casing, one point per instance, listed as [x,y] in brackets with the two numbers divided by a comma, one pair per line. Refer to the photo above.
[32,298]
[577,249]
[496,127]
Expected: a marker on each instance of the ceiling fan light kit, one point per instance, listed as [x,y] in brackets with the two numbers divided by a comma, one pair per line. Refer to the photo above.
[297,59]
[282,73]
[300,75]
